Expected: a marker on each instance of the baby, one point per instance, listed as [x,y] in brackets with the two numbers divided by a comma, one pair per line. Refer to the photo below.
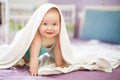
[46,39]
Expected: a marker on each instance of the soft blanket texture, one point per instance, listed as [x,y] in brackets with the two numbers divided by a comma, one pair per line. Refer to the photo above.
[11,54]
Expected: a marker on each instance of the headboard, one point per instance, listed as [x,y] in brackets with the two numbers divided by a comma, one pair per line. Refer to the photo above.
[101,23]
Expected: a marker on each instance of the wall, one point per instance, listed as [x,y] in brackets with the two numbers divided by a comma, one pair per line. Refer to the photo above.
[80,4]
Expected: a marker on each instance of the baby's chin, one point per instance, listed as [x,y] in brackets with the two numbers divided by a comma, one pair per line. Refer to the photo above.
[51,35]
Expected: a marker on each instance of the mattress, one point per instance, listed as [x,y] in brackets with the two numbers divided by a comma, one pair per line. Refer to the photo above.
[22,72]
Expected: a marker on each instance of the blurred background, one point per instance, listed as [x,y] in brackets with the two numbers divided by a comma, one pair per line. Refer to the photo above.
[14,14]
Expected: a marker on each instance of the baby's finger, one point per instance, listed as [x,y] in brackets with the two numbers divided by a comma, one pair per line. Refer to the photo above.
[34,74]
[31,74]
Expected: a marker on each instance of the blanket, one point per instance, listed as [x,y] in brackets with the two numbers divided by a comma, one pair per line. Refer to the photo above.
[12,53]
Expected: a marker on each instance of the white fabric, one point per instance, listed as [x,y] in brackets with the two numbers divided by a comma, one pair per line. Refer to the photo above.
[75,59]
[88,56]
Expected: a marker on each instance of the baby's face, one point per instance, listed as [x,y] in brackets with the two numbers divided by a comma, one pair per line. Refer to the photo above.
[50,25]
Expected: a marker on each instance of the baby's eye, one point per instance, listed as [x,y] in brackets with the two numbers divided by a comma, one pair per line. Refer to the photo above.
[54,24]
[44,23]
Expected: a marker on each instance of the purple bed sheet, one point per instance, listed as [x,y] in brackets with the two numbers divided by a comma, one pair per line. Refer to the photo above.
[22,73]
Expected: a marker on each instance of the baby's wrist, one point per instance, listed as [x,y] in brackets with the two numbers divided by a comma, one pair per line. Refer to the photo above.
[34,57]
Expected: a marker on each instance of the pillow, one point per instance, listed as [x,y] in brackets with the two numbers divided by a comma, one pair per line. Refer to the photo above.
[102,25]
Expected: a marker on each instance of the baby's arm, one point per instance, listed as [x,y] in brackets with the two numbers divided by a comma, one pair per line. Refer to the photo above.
[58,54]
[34,53]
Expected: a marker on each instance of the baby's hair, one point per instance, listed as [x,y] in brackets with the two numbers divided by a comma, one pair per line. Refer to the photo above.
[56,10]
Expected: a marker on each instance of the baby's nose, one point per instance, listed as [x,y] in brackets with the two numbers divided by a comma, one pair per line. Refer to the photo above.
[49,27]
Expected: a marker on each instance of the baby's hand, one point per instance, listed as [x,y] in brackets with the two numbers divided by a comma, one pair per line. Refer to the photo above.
[34,67]
[33,71]
[34,74]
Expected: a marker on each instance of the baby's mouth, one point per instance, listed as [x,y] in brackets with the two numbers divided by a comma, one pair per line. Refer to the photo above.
[49,32]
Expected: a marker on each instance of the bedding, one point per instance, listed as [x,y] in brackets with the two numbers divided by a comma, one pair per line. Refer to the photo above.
[21,73]
[97,48]
[91,55]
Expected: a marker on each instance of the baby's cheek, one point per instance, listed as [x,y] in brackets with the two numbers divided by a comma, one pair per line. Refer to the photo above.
[41,32]
[57,30]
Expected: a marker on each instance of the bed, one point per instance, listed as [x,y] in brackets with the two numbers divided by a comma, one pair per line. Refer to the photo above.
[22,73]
